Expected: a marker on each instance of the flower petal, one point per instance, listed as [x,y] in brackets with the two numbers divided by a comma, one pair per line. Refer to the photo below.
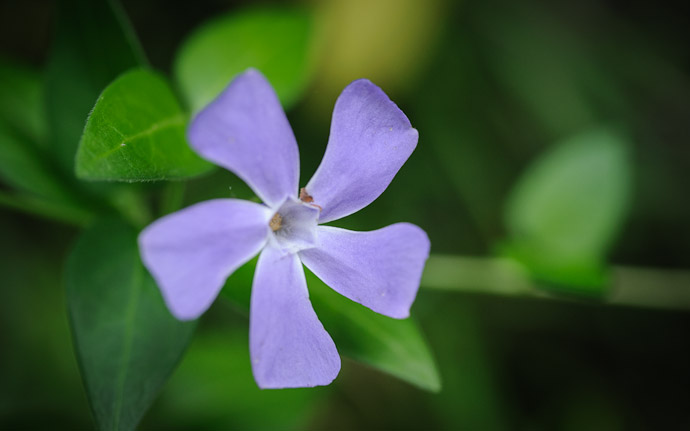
[192,252]
[370,140]
[380,269]
[288,345]
[245,131]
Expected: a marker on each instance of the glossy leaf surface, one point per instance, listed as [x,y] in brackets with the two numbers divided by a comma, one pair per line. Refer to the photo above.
[136,132]
[126,340]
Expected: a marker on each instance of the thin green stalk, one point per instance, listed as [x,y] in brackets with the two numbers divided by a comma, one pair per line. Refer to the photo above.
[43,208]
[132,205]
[172,197]
[636,287]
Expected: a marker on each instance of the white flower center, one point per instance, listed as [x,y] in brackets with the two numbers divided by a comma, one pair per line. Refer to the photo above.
[293,226]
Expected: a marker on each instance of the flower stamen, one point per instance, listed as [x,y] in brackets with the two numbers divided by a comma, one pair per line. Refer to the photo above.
[276,222]
[307,198]
[304,196]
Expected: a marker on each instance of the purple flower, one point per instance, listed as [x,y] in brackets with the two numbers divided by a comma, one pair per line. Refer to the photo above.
[192,252]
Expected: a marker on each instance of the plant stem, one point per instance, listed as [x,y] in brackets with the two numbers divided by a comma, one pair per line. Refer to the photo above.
[172,197]
[43,208]
[132,205]
[636,287]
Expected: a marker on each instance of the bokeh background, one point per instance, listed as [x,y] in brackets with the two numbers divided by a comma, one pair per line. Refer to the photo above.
[492,86]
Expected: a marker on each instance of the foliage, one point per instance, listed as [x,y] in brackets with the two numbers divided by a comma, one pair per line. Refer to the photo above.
[566,210]
[126,340]
[552,150]
[275,41]
[136,132]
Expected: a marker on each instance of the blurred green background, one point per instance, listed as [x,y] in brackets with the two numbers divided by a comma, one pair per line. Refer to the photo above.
[551,175]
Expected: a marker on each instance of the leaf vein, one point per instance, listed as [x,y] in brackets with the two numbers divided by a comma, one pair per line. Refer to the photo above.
[159,125]
[127,344]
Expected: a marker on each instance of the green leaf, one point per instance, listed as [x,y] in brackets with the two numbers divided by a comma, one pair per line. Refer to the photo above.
[565,212]
[136,132]
[93,45]
[39,189]
[45,208]
[126,340]
[396,347]
[275,41]
[22,166]
[23,163]
[21,100]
